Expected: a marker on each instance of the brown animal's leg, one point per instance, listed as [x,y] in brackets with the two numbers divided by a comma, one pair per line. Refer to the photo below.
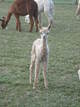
[31,23]
[36,23]
[37,65]
[44,74]
[18,24]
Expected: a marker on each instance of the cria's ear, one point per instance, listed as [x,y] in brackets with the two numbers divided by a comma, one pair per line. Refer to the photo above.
[40,30]
[49,26]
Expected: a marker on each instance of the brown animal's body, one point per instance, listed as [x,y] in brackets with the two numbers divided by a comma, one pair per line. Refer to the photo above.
[22,8]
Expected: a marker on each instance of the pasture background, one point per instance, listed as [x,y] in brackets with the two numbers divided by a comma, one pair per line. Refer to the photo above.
[56,1]
[15,49]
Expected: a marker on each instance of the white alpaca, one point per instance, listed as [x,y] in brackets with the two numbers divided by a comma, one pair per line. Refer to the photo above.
[27,19]
[46,6]
[39,54]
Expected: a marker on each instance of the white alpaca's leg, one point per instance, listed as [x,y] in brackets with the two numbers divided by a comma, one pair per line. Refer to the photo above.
[49,15]
[50,20]
[37,65]
[40,25]
[44,73]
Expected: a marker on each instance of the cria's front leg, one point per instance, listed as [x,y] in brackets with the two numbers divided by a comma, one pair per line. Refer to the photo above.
[44,73]
[37,65]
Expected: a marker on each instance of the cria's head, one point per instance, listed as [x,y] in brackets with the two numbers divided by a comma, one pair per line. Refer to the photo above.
[44,31]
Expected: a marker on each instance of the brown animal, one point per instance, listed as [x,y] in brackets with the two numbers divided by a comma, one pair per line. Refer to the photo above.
[22,8]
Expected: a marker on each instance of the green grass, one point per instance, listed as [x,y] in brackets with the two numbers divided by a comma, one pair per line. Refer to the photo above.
[15,49]
[64,1]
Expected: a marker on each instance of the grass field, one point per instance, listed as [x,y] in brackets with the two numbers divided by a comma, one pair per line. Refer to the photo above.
[15,49]
[56,1]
